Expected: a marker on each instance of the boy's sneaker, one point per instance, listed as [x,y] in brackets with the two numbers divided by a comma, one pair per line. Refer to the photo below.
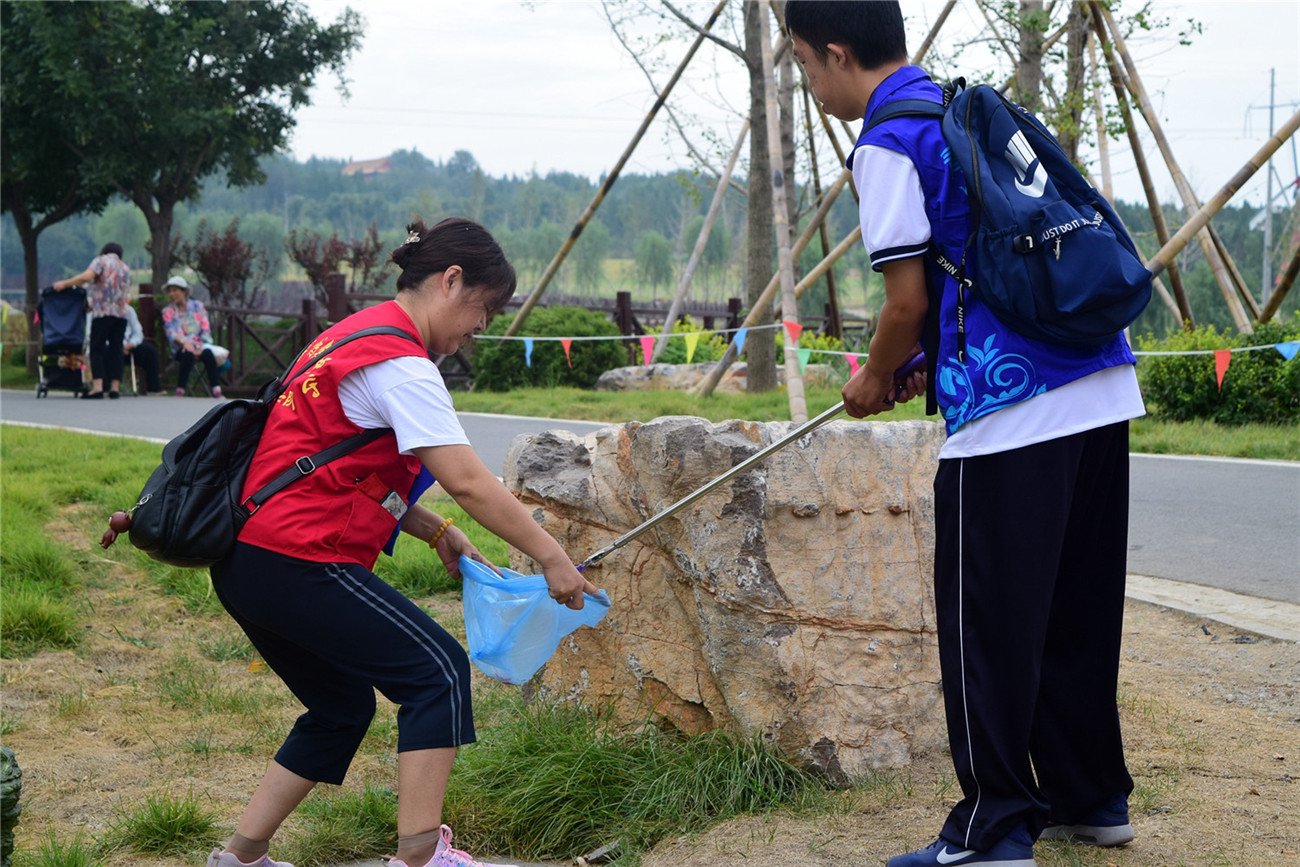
[216,392]
[1013,850]
[446,856]
[225,859]
[1108,825]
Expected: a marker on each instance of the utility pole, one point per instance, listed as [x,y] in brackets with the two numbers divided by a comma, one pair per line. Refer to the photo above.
[1266,271]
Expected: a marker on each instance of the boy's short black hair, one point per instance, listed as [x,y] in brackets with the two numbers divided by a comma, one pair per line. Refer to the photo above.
[871,29]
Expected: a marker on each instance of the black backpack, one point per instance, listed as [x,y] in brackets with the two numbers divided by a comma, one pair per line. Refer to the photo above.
[190,511]
[1046,253]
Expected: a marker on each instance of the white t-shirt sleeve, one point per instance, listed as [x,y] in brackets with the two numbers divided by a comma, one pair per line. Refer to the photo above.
[891,205]
[406,394]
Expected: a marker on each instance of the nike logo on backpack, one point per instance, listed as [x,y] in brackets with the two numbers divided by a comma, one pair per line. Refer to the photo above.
[946,857]
[1025,162]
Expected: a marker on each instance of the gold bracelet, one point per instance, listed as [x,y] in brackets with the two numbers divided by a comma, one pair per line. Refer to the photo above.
[438,535]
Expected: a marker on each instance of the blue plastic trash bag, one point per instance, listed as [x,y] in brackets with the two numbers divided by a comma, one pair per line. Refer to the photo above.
[512,623]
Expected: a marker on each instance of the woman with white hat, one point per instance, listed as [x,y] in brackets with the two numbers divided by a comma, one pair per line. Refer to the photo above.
[185,320]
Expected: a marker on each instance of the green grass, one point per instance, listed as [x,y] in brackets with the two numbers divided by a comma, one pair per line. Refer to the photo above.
[335,827]
[560,780]
[164,825]
[79,851]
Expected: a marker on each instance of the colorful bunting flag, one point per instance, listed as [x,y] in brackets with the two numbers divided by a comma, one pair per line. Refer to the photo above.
[794,329]
[647,347]
[692,341]
[853,364]
[1288,349]
[528,352]
[1222,358]
[803,358]
[567,342]
[740,339]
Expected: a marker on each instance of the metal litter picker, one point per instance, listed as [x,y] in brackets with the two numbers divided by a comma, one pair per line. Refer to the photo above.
[803,430]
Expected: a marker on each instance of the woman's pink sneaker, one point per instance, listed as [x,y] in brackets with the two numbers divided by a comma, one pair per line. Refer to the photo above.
[446,856]
[226,859]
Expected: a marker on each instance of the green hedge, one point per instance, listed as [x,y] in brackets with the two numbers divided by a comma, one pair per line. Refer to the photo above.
[500,365]
[1259,386]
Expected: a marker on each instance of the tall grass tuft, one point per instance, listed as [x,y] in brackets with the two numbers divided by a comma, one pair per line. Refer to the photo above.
[558,781]
[164,825]
[343,826]
[33,619]
[53,852]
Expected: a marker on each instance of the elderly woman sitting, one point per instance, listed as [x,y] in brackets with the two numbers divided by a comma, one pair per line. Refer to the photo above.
[186,322]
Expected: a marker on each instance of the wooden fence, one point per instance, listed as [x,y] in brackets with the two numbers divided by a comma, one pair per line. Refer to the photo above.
[262,342]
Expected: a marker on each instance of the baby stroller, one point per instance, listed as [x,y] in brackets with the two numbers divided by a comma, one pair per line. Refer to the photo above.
[63,341]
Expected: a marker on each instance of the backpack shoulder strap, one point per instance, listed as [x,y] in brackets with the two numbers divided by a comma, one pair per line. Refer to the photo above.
[273,388]
[308,464]
[905,108]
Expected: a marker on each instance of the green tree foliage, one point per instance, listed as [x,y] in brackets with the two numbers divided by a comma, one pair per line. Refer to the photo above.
[40,186]
[121,223]
[589,254]
[654,259]
[500,365]
[1259,385]
[161,96]
[716,249]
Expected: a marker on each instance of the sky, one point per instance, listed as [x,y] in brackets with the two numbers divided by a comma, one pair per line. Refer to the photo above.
[545,86]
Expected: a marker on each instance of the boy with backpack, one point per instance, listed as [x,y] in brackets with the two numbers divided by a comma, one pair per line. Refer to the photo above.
[1031,493]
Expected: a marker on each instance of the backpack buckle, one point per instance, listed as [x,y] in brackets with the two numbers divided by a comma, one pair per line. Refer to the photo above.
[1023,244]
[305,465]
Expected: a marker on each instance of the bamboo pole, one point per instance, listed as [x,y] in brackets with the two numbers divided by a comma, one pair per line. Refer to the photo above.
[781,223]
[764,300]
[934,31]
[1160,261]
[563,252]
[675,309]
[1153,203]
[832,297]
[1103,141]
[1284,284]
[1215,253]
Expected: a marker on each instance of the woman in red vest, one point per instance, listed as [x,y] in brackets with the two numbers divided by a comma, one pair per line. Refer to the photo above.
[299,581]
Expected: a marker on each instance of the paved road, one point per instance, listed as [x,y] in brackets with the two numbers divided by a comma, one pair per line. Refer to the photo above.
[1226,523]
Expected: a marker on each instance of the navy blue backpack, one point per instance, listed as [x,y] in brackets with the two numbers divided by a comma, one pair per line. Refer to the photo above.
[1046,253]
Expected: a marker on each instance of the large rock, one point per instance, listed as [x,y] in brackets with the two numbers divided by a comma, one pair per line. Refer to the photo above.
[794,601]
[687,377]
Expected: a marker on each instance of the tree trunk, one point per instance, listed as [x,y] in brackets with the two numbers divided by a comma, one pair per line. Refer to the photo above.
[159,220]
[1029,68]
[760,346]
[1070,125]
[23,222]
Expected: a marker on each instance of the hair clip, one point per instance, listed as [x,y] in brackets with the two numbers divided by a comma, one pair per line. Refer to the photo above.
[412,238]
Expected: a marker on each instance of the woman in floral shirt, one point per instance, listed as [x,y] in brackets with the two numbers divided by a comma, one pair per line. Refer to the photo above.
[186,322]
[110,293]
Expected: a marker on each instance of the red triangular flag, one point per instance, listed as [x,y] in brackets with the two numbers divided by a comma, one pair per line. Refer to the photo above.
[794,329]
[1222,358]
[567,342]
[647,347]
[853,364]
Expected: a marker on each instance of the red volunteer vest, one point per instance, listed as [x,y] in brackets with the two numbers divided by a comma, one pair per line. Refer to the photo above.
[341,512]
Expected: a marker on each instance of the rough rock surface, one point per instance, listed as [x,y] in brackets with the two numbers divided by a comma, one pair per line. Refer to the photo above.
[686,377]
[794,601]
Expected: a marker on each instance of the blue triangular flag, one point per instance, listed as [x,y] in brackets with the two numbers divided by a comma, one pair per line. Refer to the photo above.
[740,339]
[528,351]
[1288,349]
